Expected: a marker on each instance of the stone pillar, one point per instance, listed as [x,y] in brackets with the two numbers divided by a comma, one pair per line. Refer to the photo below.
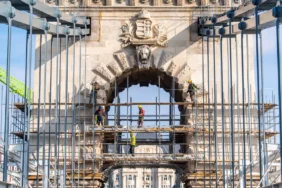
[159,181]
[123,181]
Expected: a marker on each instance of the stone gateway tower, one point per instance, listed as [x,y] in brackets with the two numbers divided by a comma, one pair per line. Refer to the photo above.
[139,42]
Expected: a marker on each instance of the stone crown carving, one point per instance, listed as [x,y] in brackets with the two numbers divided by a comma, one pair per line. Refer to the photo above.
[144,14]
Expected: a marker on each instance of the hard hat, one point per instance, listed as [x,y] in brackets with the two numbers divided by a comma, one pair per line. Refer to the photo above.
[139,106]
[100,107]
[189,81]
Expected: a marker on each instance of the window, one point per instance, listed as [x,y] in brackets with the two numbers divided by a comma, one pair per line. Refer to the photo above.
[130,177]
[148,178]
[165,177]
[117,177]
[152,178]
[147,186]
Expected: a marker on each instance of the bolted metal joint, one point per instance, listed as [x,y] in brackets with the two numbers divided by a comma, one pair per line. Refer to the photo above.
[202,21]
[230,14]
[46,25]
[208,32]
[80,31]
[256,2]
[66,31]
[277,11]
[221,31]
[11,13]
[58,13]
[85,21]
[214,19]
[32,2]
[242,26]
[74,19]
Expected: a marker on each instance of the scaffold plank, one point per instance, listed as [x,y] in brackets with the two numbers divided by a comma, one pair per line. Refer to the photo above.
[268,134]
[267,105]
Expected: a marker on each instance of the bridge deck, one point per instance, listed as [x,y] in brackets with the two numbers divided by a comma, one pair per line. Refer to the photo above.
[267,106]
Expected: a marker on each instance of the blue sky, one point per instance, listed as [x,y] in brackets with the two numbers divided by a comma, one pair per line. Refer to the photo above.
[145,94]
[17,52]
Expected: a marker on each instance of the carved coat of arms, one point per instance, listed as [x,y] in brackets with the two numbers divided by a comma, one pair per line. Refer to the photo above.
[143,34]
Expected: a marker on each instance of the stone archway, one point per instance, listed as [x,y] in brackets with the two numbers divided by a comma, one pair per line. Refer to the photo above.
[172,79]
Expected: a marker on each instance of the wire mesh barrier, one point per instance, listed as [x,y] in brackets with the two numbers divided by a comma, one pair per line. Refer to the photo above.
[67,132]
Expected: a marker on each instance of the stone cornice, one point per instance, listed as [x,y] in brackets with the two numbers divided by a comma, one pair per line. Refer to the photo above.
[166,9]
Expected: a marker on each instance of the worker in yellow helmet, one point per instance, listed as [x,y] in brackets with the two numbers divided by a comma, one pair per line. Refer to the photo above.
[140,116]
[192,90]
[132,143]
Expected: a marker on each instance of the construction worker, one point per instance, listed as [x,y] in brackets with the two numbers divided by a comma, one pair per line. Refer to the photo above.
[95,88]
[100,116]
[132,143]
[191,90]
[140,116]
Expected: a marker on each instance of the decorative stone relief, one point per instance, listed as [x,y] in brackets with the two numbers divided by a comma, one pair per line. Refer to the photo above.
[144,33]
[114,68]
[102,72]
[143,27]
[165,57]
[122,60]
[167,1]
[160,32]
[143,1]
[144,56]
[145,36]
[171,68]
[184,72]
[127,34]
[95,1]
[144,14]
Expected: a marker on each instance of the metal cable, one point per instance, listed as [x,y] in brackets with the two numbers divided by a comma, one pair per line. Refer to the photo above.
[215,99]
[84,109]
[73,105]
[44,101]
[222,32]
[242,27]
[7,100]
[79,128]
[50,110]
[38,114]
[66,107]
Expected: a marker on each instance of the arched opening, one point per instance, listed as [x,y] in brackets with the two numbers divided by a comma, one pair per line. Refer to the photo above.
[148,144]
[152,76]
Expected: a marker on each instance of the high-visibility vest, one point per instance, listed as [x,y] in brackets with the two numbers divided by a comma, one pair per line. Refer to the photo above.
[133,140]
